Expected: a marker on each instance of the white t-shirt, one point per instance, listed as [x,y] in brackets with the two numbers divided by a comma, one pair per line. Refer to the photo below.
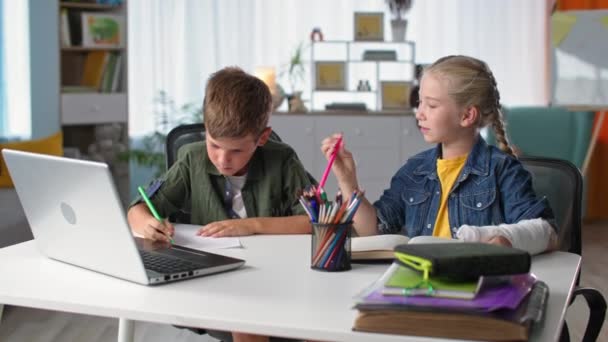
[238,205]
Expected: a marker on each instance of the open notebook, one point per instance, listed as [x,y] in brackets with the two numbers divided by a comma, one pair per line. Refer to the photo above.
[380,247]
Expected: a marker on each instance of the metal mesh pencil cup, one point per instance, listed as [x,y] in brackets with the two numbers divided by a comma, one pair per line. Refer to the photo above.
[330,246]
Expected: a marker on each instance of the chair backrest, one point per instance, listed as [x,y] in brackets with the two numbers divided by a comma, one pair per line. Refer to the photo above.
[185,134]
[180,136]
[567,139]
[561,182]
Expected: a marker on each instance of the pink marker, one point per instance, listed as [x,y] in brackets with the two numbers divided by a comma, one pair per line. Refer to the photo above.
[330,162]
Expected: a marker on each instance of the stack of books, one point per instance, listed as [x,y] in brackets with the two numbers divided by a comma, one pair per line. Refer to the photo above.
[379,55]
[102,71]
[354,106]
[415,297]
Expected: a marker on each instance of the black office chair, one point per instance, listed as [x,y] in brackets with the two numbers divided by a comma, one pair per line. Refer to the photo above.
[561,182]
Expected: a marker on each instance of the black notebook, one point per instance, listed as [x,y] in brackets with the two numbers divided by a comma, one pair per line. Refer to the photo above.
[464,261]
[500,325]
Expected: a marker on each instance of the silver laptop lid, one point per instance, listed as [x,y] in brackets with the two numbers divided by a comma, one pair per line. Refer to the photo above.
[75,213]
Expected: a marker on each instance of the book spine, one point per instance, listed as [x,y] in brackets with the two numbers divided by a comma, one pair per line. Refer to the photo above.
[66,40]
[537,302]
[117,72]
[75,28]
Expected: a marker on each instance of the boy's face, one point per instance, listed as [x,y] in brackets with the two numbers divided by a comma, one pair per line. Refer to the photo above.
[231,155]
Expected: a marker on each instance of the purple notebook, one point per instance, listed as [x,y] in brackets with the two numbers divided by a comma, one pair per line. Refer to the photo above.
[506,296]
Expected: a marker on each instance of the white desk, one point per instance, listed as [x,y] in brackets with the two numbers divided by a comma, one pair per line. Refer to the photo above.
[276,293]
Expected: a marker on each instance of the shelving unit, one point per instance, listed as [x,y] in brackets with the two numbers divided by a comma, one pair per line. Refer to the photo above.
[93,89]
[87,49]
[383,139]
[356,68]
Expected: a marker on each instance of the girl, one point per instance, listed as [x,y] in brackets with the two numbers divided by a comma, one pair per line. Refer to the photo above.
[462,188]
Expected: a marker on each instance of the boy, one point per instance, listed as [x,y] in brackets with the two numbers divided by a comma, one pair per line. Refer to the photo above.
[237,182]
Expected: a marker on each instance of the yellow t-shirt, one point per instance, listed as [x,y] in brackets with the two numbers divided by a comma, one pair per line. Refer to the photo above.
[447,171]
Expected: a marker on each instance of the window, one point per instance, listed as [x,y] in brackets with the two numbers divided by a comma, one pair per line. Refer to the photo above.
[15,111]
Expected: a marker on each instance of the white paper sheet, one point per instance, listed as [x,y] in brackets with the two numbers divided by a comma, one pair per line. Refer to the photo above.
[185,235]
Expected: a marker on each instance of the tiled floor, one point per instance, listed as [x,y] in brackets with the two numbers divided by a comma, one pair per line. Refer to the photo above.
[594,274]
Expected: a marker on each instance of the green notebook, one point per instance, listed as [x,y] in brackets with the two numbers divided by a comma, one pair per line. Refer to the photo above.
[408,282]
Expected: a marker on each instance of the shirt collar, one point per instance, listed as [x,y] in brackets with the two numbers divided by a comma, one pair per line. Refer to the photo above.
[478,161]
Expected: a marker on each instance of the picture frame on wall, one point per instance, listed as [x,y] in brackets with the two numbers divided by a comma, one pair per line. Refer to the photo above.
[395,95]
[369,26]
[102,30]
[330,76]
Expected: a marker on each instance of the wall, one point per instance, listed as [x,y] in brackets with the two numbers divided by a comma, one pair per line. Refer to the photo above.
[44,67]
[595,179]
[2,103]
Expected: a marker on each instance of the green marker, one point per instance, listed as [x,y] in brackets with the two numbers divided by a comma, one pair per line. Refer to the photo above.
[151,206]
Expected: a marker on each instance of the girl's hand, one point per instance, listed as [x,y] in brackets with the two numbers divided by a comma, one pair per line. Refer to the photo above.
[344,165]
[499,240]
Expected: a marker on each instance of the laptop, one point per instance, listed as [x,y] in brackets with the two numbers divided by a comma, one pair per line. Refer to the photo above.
[76,217]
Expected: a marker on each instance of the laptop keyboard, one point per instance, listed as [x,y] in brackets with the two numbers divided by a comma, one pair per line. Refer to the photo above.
[166,264]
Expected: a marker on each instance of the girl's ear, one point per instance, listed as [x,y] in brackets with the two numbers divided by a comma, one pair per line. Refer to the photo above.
[469,117]
[264,136]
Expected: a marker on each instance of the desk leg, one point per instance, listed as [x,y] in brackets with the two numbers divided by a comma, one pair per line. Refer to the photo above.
[125,330]
[594,136]
[1,310]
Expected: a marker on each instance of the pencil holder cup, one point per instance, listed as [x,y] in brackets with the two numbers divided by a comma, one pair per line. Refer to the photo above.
[330,246]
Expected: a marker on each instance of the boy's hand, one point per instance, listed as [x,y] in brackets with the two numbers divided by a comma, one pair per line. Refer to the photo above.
[157,231]
[143,224]
[237,227]
[344,165]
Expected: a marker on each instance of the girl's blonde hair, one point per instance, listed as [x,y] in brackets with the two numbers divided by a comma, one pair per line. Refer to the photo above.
[471,83]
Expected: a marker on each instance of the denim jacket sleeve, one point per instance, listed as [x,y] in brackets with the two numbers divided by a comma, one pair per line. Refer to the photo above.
[389,208]
[517,195]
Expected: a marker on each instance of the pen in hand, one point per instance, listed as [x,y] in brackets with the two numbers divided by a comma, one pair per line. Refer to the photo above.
[330,162]
[142,192]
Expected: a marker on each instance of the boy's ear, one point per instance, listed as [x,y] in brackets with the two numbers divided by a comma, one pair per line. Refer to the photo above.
[264,136]
[469,117]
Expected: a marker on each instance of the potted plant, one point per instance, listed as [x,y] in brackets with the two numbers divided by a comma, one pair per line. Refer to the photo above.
[295,72]
[150,149]
[399,9]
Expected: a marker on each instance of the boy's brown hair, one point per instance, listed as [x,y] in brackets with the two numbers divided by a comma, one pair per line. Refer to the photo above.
[236,104]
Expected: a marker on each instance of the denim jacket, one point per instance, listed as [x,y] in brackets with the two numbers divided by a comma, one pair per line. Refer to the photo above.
[492,188]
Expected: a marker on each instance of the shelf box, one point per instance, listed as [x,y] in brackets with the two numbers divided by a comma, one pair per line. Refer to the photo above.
[340,83]
[93,108]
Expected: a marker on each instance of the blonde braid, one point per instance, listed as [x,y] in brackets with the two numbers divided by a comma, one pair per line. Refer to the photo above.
[498,121]
[498,124]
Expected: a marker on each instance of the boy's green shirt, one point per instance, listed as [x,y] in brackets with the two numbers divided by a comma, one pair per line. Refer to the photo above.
[274,176]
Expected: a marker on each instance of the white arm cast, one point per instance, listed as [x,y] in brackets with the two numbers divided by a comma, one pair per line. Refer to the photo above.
[534,236]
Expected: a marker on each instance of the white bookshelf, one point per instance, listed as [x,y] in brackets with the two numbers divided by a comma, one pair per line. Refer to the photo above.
[402,68]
